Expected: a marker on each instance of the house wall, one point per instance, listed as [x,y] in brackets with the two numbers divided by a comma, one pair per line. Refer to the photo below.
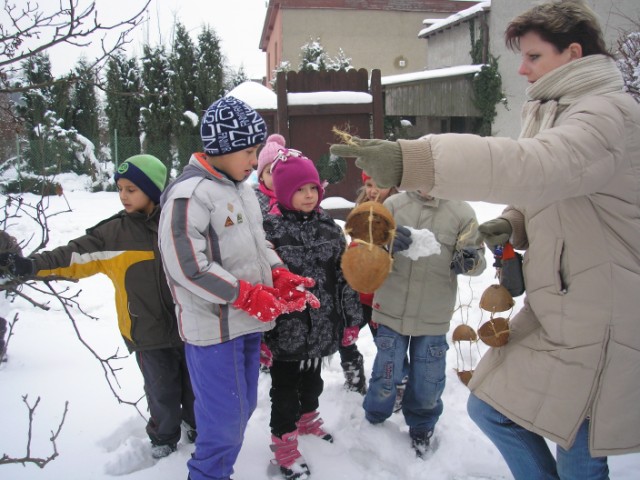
[375,34]
[451,47]
[371,38]
[444,97]
[616,17]
[274,49]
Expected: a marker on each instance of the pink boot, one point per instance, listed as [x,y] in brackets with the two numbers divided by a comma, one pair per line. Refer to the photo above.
[311,424]
[292,464]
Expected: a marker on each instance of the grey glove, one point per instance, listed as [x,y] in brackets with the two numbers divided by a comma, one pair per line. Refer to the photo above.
[495,232]
[464,260]
[12,264]
[402,240]
[380,159]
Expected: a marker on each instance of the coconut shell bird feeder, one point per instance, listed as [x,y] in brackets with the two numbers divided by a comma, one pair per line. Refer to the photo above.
[366,263]
[495,331]
[496,299]
[462,334]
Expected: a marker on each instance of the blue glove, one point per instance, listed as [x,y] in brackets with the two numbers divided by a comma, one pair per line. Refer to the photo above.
[12,264]
[464,260]
[402,239]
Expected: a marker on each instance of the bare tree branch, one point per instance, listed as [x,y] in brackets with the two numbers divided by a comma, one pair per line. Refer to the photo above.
[110,372]
[40,462]
[66,25]
[16,210]
[6,328]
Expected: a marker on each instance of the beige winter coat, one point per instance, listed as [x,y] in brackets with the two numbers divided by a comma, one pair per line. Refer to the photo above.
[574,351]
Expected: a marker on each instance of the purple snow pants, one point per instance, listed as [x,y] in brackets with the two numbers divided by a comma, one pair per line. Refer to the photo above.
[225,384]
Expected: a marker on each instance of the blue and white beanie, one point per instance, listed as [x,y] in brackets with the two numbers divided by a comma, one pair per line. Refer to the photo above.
[230,125]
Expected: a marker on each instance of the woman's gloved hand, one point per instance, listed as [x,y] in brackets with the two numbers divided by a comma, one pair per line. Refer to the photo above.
[380,159]
[495,232]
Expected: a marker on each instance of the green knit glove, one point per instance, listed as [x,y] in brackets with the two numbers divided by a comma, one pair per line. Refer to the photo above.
[380,159]
[495,232]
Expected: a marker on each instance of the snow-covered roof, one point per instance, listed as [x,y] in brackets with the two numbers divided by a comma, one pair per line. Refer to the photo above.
[255,95]
[431,21]
[328,98]
[455,18]
[261,98]
[430,74]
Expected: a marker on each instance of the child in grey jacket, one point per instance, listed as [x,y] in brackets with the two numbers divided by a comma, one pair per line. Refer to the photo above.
[413,309]
[227,285]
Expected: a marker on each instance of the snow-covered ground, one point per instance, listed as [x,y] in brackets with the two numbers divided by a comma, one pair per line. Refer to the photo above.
[102,439]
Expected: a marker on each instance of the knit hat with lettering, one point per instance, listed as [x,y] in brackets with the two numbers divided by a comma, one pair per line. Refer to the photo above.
[147,172]
[230,125]
[291,171]
[268,153]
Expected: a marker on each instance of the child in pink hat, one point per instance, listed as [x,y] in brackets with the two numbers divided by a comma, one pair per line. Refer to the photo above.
[264,190]
[310,243]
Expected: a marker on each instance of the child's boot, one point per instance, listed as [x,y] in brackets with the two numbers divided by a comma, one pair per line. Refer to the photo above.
[354,375]
[292,464]
[190,431]
[421,442]
[311,424]
[164,450]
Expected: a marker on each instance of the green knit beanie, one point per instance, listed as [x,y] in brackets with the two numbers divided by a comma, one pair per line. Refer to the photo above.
[147,172]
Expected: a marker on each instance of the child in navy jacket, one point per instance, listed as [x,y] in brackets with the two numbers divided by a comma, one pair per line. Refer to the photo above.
[311,245]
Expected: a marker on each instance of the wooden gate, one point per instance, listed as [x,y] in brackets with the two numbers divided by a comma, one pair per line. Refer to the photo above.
[311,104]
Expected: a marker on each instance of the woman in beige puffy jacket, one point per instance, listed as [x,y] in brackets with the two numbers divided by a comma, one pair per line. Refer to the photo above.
[570,370]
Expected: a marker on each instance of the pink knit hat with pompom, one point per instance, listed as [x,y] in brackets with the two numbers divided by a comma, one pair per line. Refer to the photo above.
[292,171]
[268,153]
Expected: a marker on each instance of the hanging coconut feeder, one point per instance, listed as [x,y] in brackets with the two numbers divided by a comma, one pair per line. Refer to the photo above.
[496,298]
[464,375]
[495,332]
[365,263]
[372,223]
[464,333]
[365,267]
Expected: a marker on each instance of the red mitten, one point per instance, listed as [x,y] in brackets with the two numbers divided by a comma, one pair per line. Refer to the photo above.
[266,357]
[298,304]
[350,335]
[312,300]
[292,290]
[259,301]
[290,285]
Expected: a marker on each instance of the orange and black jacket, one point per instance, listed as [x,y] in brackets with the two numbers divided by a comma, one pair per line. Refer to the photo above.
[124,248]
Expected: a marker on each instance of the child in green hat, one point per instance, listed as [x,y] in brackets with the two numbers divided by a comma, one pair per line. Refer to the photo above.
[125,248]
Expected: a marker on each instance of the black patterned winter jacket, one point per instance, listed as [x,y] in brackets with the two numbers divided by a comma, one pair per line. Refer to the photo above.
[311,245]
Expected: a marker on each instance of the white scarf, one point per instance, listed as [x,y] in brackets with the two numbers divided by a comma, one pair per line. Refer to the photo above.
[590,75]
